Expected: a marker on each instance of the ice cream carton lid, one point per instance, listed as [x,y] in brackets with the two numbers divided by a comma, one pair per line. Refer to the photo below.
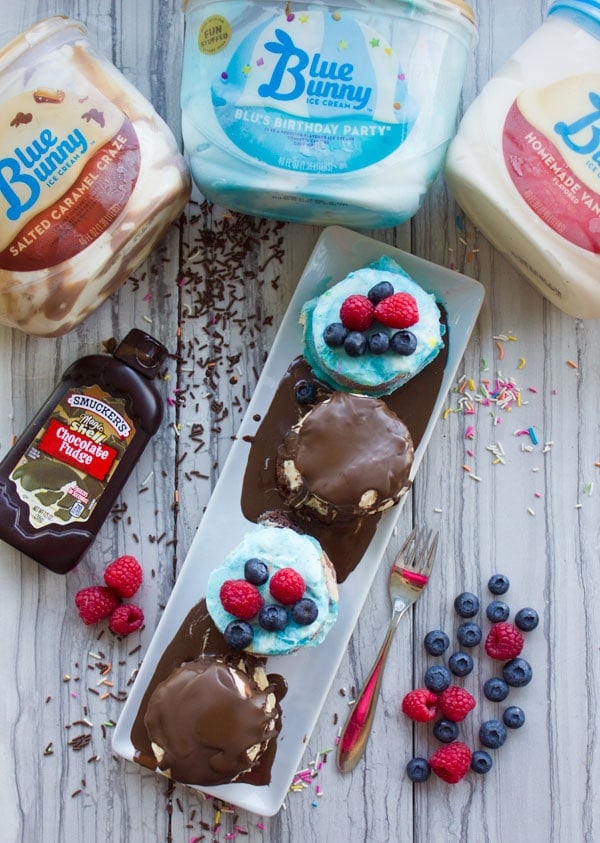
[33,36]
[463,7]
[588,8]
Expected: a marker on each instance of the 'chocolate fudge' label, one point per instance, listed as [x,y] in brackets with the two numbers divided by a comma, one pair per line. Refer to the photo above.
[69,163]
[64,472]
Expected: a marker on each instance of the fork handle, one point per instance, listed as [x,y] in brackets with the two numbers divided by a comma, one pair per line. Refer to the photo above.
[355,733]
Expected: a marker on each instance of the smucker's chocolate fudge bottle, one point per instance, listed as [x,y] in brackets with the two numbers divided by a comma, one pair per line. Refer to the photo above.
[59,481]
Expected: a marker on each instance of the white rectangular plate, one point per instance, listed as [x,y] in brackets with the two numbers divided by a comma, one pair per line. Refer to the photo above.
[310,672]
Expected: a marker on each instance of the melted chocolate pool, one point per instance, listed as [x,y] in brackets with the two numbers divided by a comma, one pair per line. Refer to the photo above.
[198,636]
[344,543]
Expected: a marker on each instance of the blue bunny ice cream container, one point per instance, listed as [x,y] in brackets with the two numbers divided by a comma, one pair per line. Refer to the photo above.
[318,113]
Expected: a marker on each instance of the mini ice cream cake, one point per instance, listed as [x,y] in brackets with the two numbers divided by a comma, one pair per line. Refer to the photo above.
[373,331]
[275,592]
[211,721]
[347,457]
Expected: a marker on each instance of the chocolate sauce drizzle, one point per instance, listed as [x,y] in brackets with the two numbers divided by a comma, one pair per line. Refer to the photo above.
[344,543]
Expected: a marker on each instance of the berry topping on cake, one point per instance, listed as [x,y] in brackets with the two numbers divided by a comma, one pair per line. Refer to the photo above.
[420,705]
[403,342]
[95,603]
[355,344]
[356,313]
[305,391]
[275,591]
[124,575]
[240,598]
[273,617]
[455,703]
[399,310]
[378,342]
[377,299]
[305,611]
[380,291]
[335,334]
[503,642]
[287,586]
[256,571]
[238,634]
[451,762]
[126,618]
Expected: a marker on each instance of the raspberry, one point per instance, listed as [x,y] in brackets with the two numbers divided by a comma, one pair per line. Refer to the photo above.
[398,311]
[126,618]
[504,642]
[287,586]
[241,598]
[356,313]
[455,703]
[451,762]
[95,603]
[124,576]
[420,705]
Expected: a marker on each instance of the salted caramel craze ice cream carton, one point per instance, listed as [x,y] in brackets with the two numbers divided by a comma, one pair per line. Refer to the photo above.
[90,178]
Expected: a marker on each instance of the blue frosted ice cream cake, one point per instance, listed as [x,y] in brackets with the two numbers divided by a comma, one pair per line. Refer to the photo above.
[373,331]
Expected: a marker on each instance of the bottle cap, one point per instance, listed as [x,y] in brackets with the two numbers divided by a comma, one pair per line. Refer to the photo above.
[142,352]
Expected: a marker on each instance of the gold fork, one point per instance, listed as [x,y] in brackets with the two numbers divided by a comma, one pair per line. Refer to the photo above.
[408,577]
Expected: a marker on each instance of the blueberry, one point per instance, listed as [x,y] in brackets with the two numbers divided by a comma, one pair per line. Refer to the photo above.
[469,634]
[437,678]
[495,689]
[305,611]
[403,342]
[378,343]
[273,617]
[355,344]
[492,733]
[335,334]
[466,604]
[446,731]
[517,673]
[513,717]
[498,584]
[238,634]
[497,611]
[436,642]
[305,392]
[380,292]
[461,664]
[418,769]
[481,761]
[256,571]
[527,619]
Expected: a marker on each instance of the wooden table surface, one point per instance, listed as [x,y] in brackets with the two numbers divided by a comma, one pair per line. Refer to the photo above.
[534,516]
